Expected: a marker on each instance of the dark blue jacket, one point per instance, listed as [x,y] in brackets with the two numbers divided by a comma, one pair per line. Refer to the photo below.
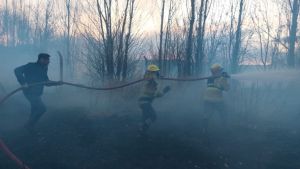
[32,73]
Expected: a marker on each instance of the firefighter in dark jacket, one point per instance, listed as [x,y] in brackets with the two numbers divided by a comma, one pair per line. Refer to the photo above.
[32,73]
[213,96]
[149,93]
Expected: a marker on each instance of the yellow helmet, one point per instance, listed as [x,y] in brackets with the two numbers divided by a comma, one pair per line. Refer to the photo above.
[153,68]
[216,67]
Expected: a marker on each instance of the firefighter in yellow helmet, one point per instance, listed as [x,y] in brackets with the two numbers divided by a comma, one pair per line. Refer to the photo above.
[213,96]
[149,93]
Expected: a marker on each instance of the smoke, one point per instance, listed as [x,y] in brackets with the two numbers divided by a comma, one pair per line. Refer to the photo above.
[262,111]
[269,76]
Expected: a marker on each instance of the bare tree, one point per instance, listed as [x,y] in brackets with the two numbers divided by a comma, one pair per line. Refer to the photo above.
[167,55]
[120,58]
[275,47]
[203,12]
[109,38]
[237,46]
[189,44]
[161,33]
[105,17]
[48,29]
[44,24]
[263,31]
[24,28]
[15,25]
[68,33]
[231,32]
[217,31]
[293,31]
[6,22]
[127,40]
[178,45]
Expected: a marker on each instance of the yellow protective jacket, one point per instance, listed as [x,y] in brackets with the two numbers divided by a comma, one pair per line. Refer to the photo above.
[215,88]
[150,89]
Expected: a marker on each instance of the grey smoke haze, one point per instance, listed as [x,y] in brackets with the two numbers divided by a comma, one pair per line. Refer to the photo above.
[263,121]
[105,42]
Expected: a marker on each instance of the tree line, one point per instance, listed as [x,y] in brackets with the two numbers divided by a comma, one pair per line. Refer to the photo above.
[106,36]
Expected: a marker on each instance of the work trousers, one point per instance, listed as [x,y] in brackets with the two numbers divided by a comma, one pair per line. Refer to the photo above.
[148,116]
[211,108]
[38,108]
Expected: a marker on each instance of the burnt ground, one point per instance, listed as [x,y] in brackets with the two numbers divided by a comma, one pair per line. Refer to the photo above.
[73,138]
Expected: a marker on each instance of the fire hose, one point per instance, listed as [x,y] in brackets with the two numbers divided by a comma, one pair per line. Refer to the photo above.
[13,157]
[94,88]
[9,153]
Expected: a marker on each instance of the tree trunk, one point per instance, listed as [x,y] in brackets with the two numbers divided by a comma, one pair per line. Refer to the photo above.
[189,45]
[110,40]
[69,59]
[200,37]
[120,46]
[166,61]
[293,31]
[161,33]
[127,41]
[6,23]
[237,45]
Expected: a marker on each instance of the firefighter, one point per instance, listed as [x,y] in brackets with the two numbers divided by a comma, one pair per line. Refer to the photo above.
[213,96]
[149,93]
[29,74]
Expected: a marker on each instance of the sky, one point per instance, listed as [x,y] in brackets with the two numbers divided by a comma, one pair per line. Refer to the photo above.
[148,11]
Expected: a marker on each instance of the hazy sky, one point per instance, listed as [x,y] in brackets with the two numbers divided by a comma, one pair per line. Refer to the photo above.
[147,17]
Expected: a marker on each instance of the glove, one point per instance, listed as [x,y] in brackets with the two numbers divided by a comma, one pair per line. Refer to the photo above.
[166,89]
[225,74]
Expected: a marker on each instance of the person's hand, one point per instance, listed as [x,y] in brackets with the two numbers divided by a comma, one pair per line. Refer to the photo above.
[166,89]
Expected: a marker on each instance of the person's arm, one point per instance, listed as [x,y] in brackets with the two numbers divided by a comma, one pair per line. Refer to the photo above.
[221,83]
[224,83]
[163,92]
[50,82]
[19,73]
